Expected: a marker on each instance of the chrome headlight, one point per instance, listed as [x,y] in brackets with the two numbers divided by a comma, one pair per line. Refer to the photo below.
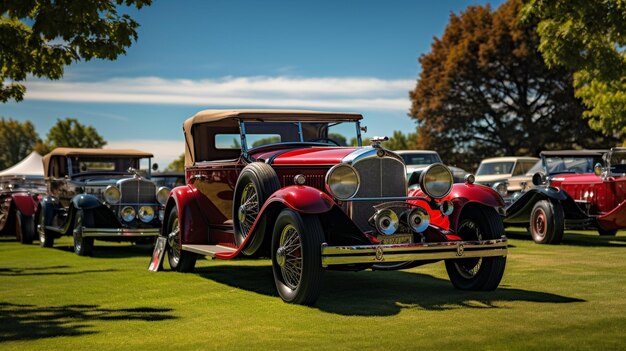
[418,219]
[127,213]
[436,181]
[162,194]
[386,221]
[146,214]
[342,181]
[112,194]
[501,188]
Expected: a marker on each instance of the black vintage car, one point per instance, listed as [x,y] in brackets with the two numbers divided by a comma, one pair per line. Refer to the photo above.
[101,194]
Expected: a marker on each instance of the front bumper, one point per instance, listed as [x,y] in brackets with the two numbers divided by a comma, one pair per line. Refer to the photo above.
[119,232]
[338,255]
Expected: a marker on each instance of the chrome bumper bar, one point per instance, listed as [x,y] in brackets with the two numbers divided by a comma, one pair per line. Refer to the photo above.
[119,232]
[334,255]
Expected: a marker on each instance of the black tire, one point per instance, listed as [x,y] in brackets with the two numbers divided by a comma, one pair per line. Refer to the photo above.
[82,246]
[483,274]
[24,227]
[547,222]
[604,232]
[179,260]
[296,257]
[257,181]
[46,238]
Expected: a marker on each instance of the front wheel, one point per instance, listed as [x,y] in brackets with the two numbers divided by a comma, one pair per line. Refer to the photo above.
[46,239]
[482,273]
[547,223]
[179,260]
[24,228]
[82,246]
[296,257]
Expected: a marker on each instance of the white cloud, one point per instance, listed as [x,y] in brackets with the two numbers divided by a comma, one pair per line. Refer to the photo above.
[164,151]
[356,93]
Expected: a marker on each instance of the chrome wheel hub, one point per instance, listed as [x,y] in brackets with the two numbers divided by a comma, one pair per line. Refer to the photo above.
[280,256]
[289,256]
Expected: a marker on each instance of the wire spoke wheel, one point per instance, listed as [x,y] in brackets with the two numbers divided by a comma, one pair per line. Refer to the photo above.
[249,208]
[290,256]
[179,260]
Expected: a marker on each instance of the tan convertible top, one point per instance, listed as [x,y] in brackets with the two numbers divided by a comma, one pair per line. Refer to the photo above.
[233,116]
[67,151]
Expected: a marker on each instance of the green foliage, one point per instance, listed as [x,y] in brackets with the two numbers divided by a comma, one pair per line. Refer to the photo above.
[41,37]
[17,140]
[69,132]
[484,90]
[176,165]
[339,138]
[588,37]
[265,141]
[400,141]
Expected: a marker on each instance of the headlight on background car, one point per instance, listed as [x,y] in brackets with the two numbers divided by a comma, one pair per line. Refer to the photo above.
[162,194]
[501,188]
[436,181]
[342,181]
[146,214]
[127,213]
[112,195]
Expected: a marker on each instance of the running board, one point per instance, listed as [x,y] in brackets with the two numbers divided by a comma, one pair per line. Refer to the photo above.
[208,250]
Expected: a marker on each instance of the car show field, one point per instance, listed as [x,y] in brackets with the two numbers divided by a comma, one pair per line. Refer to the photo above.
[568,296]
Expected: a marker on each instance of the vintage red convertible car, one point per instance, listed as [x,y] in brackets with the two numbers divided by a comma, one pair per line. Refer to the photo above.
[19,197]
[577,189]
[283,184]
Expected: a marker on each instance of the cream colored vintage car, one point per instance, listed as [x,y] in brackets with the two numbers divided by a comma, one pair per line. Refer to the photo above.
[495,172]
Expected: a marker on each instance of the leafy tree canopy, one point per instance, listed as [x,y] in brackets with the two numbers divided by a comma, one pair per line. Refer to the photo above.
[401,141]
[484,90]
[17,140]
[588,37]
[69,132]
[176,165]
[40,37]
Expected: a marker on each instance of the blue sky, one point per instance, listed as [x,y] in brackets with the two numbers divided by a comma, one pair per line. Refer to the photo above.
[193,55]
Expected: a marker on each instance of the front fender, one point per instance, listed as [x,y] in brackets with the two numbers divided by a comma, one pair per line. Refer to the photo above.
[26,203]
[519,211]
[301,198]
[193,226]
[86,202]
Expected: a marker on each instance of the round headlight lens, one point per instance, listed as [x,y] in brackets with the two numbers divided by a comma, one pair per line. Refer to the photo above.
[112,194]
[501,188]
[342,181]
[162,194]
[418,219]
[127,213]
[386,221]
[146,214]
[436,181]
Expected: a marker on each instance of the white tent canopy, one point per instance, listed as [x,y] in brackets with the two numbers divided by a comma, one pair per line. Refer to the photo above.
[31,166]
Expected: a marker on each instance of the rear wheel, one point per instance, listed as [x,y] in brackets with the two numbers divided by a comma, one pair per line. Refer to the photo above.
[296,257]
[546,222]
[24,228]
[179,260]
[82,246]
[46,239]
[482,273]
[256,183]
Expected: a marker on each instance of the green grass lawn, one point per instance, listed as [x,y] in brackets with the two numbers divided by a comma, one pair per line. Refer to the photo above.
[571,296]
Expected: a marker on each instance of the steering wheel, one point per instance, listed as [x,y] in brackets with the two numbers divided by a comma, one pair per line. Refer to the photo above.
[328,140]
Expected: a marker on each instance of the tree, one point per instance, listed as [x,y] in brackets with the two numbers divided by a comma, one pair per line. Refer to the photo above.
[400,141]
[70,133]
[484,90]
[588,37]
[178,165]
[40,37]
[16,141]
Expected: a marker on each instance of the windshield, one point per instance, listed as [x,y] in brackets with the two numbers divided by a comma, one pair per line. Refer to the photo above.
[420,158]
[106,165]
[340,133]
[618,162]
[571,164]
[495,168]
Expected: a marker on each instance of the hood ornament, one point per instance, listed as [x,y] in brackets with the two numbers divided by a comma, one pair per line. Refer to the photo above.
[377,140]
[134,172]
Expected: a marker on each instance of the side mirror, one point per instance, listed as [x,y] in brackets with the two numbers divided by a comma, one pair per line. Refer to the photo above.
[597,169]
[155,166]
[539,178]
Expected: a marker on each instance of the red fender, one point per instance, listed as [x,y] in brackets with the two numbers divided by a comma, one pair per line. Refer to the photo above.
[461,195]
[614,220]
[25,203]
[193,222]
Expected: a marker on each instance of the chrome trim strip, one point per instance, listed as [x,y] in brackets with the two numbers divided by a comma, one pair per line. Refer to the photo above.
[334,255]
[391,198]
[122,232]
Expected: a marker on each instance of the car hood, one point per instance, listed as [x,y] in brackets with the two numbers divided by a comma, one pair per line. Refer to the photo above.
[587,178]
[491,178]
[305,156]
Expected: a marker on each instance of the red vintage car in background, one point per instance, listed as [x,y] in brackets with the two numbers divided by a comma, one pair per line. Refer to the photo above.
[19,197]
[284,184]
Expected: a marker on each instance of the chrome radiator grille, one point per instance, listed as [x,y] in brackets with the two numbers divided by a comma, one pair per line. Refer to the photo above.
[380,177]
[137,191]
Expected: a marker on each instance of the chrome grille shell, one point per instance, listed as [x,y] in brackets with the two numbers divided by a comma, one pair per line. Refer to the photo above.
[137,191]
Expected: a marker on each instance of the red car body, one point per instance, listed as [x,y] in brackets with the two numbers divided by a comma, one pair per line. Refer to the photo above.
[19,200]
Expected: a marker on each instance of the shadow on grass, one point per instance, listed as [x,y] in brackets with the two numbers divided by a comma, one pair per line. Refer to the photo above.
[31,322]
[52,270]
[119,251]
[376,293]
[574,238]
